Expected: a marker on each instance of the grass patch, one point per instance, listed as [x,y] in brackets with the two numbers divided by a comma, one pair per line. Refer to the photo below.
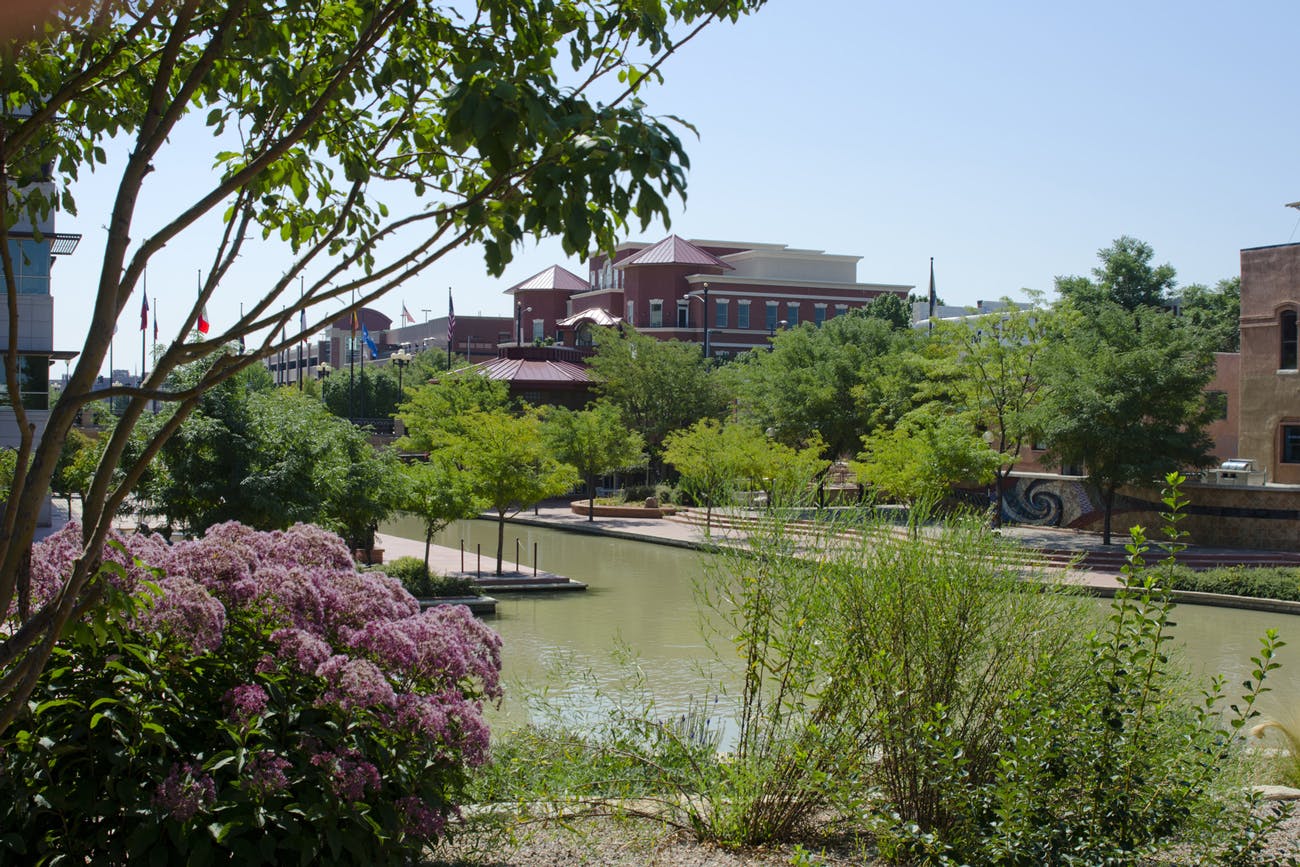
[1260,582]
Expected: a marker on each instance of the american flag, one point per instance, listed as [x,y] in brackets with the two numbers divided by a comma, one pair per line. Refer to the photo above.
[407,318]
[451,320]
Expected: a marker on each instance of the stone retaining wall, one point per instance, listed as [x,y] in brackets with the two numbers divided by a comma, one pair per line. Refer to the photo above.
[1241,517]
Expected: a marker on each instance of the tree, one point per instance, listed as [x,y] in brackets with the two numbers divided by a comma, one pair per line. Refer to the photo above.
[993,366]
[891,308]
[658,385]
[437,413]
[838,381]
[437,492]
[594,442]
[508,465]
[918,461]
[710,457]
[1215,312]
[1126,398]
[785,473]
[1125,277]
[371,137]
[270,459]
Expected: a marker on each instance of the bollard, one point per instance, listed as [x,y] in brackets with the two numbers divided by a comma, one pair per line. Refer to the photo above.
[462,556]
[534,559]
[517,569]
[478,569]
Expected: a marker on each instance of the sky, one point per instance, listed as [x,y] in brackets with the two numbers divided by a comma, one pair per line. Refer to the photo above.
[1008,141]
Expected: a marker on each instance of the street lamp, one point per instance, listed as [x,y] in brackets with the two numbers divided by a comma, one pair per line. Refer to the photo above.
[401,358]
[520,310]
[705,319]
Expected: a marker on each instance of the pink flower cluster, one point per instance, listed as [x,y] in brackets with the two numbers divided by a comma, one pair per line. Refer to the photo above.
[361,634]
[244,702]
[185,792]
[350,775]
[266,773]
[418,820]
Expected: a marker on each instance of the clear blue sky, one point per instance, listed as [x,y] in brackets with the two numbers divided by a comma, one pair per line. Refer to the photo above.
[1009,141]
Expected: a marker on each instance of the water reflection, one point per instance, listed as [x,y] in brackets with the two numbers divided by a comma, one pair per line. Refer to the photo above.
[641,595]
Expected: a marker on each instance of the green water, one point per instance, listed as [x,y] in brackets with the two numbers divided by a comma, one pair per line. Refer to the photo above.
[641,597]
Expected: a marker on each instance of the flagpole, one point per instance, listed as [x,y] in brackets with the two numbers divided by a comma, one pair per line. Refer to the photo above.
[144,323]
[930,319]
[451,325]
[302,334]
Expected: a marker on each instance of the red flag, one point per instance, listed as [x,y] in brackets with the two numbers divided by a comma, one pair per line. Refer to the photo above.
[144,313]
[204,324]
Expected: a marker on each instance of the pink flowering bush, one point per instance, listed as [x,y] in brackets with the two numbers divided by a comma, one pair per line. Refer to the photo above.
[246,698]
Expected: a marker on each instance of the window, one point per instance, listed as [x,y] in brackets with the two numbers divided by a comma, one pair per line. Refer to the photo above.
[683,314]
[539,329]
[33,382]
[1291,443]
[31,260]
[742,314]
[771,316]
[1289,356]
[841,309]
[656,313]
[721,316]
[792,313]
[629,313]
[819,314]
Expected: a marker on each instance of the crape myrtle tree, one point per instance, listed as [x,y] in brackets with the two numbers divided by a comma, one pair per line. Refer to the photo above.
[370,137]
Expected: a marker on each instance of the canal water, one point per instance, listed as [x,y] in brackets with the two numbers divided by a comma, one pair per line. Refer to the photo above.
[640,615]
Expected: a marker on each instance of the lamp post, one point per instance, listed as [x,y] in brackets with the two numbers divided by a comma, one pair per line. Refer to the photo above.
[705,316]
[520,310]
[401,358]
[322,373]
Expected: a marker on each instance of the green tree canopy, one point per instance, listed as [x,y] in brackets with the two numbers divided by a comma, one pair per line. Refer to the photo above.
[708,458]
[838,382]
[435,414]
[1215,312]
[657,385]
[594,442]
[508,464]
[438,492]
[928,452]
[1126,398]
[1125,277]
[369,138]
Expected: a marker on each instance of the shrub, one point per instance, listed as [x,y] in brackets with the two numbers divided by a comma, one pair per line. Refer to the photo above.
[1262,582]
[251,698]
[1106,765]
[419,583]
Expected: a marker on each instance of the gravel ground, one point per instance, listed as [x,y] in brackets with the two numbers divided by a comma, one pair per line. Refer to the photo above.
[620,842]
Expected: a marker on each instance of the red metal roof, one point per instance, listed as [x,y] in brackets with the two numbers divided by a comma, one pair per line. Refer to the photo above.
[674,251]
[553,277]
[521,371]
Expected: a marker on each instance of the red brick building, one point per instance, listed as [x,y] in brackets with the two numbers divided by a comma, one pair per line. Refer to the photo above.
[732,296]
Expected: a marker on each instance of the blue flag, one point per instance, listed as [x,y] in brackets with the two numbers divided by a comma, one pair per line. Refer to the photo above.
[365,335]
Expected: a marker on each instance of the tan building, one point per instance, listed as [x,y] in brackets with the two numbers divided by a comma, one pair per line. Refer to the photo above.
[1268,416]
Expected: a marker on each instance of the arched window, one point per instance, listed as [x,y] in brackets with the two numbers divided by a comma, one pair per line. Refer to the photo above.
[1289,355]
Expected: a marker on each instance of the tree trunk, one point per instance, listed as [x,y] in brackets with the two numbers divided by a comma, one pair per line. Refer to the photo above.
[428,541]
[501,538]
